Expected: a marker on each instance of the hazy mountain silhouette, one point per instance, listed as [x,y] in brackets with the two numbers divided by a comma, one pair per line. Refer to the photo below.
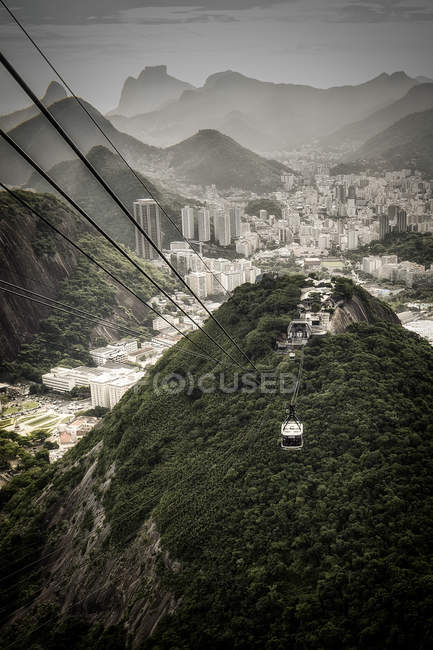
[54,93]
[407,144]
[288,114]
[206,158]
[38,138]
[419,98]
[152,88]
[212,157]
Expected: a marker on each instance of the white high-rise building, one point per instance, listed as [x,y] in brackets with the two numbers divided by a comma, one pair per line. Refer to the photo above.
[197,281]
[222,228]
[147,215]
[203,220]
[188,222]
[352,239]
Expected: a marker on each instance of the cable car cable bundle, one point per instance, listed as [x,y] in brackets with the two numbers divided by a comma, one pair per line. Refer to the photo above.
[49,116]
[110,142]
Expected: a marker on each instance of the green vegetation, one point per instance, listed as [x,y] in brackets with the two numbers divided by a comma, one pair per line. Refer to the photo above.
[19,453]
[326,548]
[411,246]
[64,338]
[254,207]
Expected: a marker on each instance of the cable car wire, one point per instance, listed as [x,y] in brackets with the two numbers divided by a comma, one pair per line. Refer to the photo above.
[97,321]
[109,140]
[16,76]
[94,320]
[99,265]
[80,210]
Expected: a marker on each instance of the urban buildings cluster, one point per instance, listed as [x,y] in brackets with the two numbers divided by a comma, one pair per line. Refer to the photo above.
[107,384]
[387,267]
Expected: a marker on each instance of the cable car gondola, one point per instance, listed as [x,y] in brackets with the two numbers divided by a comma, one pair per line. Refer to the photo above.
[292,429]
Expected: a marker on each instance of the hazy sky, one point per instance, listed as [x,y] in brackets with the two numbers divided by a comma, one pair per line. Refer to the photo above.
[96,44]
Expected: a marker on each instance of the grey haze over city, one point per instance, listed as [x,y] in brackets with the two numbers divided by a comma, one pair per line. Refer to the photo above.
[322,43]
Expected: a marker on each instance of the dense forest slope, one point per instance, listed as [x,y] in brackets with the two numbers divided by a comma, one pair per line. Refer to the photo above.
[180,523]
[36,338]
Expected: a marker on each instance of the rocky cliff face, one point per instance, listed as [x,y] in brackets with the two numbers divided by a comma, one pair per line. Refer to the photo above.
[360,308]
[93,578]
[152,88]
[33,259]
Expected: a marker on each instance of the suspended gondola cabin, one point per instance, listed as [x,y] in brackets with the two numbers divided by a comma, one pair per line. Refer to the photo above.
[292,432]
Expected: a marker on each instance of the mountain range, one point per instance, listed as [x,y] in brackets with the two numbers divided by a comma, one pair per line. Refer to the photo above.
[260,115]
[42,143]
[418,98]
[206,158]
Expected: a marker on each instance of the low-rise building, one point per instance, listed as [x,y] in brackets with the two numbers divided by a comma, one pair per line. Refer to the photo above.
[114,351]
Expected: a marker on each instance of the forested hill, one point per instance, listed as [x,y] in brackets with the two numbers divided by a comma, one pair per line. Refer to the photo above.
[411,246]
[180,522]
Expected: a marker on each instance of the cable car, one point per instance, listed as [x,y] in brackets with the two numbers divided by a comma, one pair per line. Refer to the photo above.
[292,355]
[292,431]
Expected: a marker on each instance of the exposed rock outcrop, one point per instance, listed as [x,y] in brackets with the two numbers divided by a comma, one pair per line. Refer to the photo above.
[360,308]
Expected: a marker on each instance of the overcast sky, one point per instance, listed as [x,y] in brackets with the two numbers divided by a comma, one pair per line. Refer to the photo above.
[96,44]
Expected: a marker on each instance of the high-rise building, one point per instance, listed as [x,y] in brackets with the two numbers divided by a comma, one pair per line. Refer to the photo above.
[203,221]
[352,240]
[235,221]
[188,222]
[383,225]
[147,215]
[222,228]
[197,281]
[401,220]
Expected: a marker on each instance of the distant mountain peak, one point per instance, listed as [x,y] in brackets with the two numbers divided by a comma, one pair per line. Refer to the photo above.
[400,74]
[224,76]
[153,88]
[153,71]
[54,93]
